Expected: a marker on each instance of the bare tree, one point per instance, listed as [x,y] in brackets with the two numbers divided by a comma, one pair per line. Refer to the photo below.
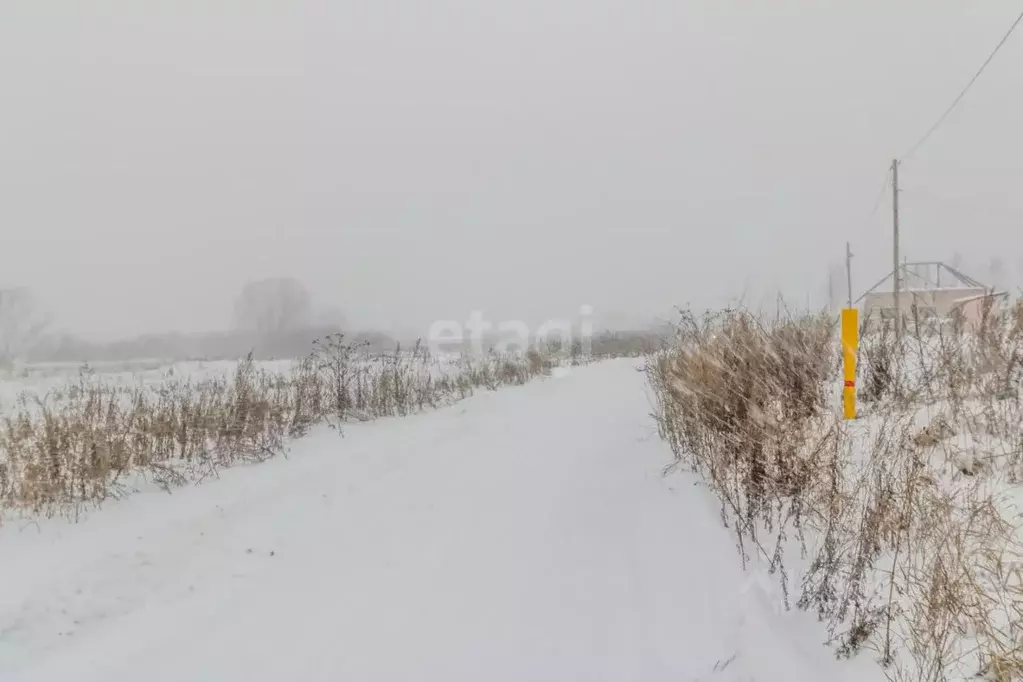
[837,289]
[996,273]
[957,262]
[22,324]
[272,306]
[331,316]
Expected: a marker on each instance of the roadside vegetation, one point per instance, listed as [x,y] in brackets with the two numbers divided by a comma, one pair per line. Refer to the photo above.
[94,439]
[899,530]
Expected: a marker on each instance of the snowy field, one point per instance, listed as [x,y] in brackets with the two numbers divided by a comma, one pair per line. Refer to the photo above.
[46,380]
[42,379]
[523,534]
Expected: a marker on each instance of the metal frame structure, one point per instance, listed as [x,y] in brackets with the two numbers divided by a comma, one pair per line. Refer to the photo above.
[910,272]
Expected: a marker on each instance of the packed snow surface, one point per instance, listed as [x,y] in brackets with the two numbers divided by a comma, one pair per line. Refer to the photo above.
[524,534]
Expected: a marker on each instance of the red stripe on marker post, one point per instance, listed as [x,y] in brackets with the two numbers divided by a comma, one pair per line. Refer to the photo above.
[850,384]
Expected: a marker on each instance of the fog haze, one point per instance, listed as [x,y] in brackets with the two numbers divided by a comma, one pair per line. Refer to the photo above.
[409,161]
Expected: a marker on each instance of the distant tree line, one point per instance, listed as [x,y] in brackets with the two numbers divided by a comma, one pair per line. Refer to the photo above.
[273,318]
[205,346]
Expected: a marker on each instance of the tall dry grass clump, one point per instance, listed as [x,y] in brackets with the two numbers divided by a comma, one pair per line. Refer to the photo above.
[92,440]
[739,400]
[898,529]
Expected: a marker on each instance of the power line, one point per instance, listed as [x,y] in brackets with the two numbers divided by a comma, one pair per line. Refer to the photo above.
[880,194]
[873,212]
[962,94]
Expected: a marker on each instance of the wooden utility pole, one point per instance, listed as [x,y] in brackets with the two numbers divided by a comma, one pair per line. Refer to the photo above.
[895,247]
[848,271]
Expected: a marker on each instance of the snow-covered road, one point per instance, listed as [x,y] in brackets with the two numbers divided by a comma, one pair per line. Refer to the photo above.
[527,534]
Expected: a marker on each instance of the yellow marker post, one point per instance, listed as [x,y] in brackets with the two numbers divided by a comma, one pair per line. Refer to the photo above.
[850,342]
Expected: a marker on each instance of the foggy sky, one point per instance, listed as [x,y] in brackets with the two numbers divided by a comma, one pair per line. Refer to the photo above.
[412,160]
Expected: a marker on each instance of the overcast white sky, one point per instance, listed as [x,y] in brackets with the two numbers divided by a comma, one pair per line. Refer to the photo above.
[412,160]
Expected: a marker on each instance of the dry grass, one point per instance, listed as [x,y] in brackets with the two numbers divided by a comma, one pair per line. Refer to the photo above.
[91,441]
[898,523]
